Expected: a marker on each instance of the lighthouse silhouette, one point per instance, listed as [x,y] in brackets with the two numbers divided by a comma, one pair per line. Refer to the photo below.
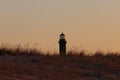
[62,45]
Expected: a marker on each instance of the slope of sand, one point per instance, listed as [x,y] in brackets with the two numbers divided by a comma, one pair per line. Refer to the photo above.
[59,68]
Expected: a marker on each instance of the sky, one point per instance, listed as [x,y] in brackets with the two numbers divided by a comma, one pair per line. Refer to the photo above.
[88,24]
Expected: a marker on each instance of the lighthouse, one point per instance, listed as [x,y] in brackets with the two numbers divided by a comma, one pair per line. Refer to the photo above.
[62,45]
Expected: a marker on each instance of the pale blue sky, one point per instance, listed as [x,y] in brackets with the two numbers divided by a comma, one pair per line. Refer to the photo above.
[89,24]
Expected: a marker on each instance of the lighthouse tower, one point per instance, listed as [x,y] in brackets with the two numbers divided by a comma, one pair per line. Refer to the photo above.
[62,45]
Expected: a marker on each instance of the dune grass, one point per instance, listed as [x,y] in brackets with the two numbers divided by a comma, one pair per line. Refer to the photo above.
[31,64]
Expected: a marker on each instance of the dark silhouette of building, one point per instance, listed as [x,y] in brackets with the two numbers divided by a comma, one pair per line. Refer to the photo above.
[62,45]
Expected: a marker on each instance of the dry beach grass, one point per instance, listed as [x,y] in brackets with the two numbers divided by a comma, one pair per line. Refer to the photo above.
[20,64]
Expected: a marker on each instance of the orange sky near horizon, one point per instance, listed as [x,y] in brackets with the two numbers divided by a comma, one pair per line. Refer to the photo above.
[88,24]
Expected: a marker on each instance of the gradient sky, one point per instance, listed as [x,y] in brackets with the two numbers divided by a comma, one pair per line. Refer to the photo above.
[88,24]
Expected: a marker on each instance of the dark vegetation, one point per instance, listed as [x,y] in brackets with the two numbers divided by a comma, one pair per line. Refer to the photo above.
[30,64]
